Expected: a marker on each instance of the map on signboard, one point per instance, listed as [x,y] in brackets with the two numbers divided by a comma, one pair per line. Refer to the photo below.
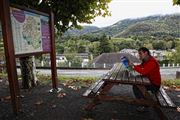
[30,31]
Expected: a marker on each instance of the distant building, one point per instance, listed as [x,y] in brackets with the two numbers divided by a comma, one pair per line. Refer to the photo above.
[84,57]
[158,54]
[109,59]
[60,58]
[133,52]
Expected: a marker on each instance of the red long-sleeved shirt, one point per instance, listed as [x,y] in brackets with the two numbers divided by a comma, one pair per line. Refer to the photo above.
[151,70]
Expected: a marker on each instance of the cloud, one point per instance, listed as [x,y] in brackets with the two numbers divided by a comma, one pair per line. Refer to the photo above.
[122,9]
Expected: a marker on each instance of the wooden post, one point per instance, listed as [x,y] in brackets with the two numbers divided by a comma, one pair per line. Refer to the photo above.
[10,55]
[177,74]
[53,53]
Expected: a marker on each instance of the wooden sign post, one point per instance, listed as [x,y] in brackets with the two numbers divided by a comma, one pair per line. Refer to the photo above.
[9,54]
[53,55]
[26,32]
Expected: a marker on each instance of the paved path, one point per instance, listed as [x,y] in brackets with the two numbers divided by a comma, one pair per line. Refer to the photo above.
[169,73]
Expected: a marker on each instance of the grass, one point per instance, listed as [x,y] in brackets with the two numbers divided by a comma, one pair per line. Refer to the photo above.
[46,79]
[42,77]
[171,82]
[3,75]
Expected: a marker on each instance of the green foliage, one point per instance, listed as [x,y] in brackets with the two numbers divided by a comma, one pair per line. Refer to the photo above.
[123,43]
[156,26]
[174,82]
[69,13]
[104,45]
[60,48]
[158,45]
[161,27]
[3,75]
[1,48]
[93,48]
[176,55]
[74,60]
[81,32]
[91,37]
[176,2]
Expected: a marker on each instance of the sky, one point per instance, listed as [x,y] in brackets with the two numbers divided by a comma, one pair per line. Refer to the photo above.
[122,9]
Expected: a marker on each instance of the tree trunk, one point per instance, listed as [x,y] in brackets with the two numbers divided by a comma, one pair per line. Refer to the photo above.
[27,73]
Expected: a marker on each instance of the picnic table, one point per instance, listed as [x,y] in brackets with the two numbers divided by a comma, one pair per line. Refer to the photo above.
[119,74]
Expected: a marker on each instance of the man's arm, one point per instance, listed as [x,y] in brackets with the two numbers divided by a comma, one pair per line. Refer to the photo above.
[147,68]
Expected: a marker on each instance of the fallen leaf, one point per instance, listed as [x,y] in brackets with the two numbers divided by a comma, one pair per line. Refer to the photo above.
[64,84]
[166,87]
[178,109]
[178,95]
[74,87]
[61,95]
[7,98]
[177,89]
[174,86]
[1,80]
[54,106]
[21,96]
[39,102]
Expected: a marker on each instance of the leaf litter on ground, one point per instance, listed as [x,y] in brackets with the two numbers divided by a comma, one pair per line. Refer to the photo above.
[39,102]
[61,95]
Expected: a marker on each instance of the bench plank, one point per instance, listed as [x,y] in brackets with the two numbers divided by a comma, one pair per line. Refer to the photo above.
[164,99]
[89,90]
[116,72]
[109,74]
[138,79]
[145,80]
[95,90]
[161,100]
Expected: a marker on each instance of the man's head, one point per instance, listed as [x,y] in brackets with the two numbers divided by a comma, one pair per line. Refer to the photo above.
[144,53]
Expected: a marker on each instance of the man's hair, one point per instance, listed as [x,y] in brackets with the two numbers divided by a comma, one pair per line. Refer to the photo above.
[144,49]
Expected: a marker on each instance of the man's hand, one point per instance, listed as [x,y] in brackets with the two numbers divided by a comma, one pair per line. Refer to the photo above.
[130,63]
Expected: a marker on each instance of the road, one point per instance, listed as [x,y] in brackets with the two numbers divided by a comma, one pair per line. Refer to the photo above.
[168,73]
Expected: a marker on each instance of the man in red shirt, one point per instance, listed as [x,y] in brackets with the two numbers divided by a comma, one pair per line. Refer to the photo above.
[149,68]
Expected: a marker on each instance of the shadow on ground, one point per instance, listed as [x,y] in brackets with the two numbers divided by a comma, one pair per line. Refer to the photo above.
[39,104]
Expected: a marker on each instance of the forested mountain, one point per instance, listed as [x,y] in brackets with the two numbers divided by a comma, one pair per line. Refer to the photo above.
[84,30]
[154,26]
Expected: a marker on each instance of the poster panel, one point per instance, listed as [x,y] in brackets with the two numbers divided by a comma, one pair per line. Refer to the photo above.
[31,31]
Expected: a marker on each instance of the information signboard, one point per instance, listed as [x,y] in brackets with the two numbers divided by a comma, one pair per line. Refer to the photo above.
[31,31]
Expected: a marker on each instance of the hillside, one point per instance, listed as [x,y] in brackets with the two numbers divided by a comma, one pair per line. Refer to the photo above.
[159,25]
[84,30]
[154,26]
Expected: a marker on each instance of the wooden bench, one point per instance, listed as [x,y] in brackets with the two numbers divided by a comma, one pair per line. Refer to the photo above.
[163,99]
[94,89]
[120,75]
[117,75]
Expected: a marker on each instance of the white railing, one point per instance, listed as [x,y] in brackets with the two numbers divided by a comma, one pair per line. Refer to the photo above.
[98,65]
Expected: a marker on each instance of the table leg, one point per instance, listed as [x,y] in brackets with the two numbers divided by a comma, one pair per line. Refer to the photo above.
[106,88]
[92,104]
[156,106]
[103,91]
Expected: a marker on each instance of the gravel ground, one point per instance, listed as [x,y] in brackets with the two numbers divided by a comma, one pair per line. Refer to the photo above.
[39,104]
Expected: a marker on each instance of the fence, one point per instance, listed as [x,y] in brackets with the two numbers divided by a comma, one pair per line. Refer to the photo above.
[95,65]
